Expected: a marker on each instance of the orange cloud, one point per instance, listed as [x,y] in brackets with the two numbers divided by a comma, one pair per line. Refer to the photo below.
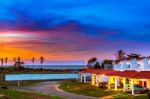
[16,52]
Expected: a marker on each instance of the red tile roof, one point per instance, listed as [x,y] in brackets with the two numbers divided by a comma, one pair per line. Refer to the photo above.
[127,73]
[109,72]
[101,71]
[142,75]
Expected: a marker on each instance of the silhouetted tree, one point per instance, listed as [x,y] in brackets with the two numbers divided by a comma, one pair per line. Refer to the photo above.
[134,55]
[97,65]
[1,74]
[41,61]
[14,59]
[18,62]
[6,60]
[2,62]
[120,54]
[33,60]
[107,63]
[91,61]
[18,59]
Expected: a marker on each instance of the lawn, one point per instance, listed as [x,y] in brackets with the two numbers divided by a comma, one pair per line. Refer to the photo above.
[13,94]
[15,83]
[88,90]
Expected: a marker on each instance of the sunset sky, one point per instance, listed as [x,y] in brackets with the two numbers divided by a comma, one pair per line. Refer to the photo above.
[73,29]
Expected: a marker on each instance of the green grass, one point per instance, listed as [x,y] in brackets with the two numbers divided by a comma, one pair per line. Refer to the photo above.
[88,90]
[13,94]
[83,89]
[15,83]
[129,96]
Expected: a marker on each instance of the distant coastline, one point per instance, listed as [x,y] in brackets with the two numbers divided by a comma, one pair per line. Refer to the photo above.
[45,69]
[56,66]
[53,66]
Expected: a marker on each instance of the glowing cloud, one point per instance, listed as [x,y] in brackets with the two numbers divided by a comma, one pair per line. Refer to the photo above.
[14,36]
[77,29]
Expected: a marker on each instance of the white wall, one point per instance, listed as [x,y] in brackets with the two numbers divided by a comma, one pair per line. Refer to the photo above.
[140,65]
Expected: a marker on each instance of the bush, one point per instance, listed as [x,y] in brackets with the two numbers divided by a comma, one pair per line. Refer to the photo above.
[17,68]
[4,87]
[20,68]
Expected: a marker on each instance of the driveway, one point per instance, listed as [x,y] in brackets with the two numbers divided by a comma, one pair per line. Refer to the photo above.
[52,88]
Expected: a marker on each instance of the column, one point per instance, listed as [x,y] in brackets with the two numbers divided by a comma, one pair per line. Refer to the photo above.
[93,80]
[116,83]
[80,77]
[132,86]
[97,83]
[84,78]
[18,83]
[109,79]
[124,84]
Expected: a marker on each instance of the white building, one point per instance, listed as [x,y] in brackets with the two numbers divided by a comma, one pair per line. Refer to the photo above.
[133,64]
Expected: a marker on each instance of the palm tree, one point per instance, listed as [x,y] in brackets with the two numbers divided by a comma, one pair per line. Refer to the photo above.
[1,76]
[91,61]
[18,61]
[14,59]
[33,60]
[2,62]
[120,54]
[41,61]
[6,60]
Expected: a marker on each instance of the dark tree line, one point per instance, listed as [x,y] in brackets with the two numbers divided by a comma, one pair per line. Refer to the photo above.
[121,55]
[18,63]
[94,63]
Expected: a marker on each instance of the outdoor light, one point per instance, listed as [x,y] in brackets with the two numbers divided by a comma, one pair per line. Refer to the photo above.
[103,75]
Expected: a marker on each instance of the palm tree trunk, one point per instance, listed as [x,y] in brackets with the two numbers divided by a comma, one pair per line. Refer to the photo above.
[41,67]
[2,63]
[2,77]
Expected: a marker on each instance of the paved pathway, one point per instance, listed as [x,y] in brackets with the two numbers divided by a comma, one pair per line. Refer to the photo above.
[51,88]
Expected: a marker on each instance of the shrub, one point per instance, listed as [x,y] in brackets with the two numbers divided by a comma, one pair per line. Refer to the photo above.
[4,87]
